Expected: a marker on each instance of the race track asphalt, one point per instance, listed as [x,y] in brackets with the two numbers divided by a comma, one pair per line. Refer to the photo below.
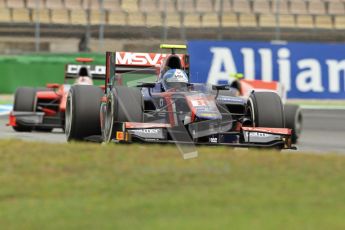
[323,131]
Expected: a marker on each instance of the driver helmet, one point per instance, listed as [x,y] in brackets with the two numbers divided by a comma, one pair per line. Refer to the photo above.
[175,79]
[84,77]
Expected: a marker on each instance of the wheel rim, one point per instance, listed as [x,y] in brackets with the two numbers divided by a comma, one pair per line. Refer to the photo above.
[109,121]
[252,112]
[68,116]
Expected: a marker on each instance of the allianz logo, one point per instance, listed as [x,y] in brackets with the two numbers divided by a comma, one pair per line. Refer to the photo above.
[306,78]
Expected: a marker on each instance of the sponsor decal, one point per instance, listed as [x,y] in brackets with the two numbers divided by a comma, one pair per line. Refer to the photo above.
[306,70]
[140,59]
[258,137]
[204,106]
[177,76]
[257,134]
[199,102]
[94,69]
[180,76]
[231,99]
[148,133]
[213,140]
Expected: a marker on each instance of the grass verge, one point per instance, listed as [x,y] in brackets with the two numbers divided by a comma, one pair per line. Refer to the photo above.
[58,186]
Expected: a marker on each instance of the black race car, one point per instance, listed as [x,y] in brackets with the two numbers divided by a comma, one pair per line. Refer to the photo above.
[167,108]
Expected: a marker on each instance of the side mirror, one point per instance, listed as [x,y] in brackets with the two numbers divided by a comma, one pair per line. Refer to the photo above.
[147,85]
[221,87]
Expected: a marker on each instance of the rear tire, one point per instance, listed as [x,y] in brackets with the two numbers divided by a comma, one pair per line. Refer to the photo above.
[266,110]
[24,101]
[294,121]
[124,104]
[82,114]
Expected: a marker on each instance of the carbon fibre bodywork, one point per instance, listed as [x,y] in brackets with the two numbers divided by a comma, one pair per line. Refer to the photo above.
[194,116]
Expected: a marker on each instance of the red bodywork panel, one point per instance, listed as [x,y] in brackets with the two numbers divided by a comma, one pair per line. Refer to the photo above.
[247,86]
[84,60]
[12,120]
[138,125]
[53,85]
[47,95]
[58,95]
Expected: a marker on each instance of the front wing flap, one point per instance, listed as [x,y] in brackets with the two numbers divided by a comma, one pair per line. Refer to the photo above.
[34,119]
[26,118]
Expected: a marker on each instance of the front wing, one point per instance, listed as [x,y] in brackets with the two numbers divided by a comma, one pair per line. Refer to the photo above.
[258,137]
[34,119]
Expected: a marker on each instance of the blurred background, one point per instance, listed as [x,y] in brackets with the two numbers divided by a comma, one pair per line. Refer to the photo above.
[100,25]
[47,34]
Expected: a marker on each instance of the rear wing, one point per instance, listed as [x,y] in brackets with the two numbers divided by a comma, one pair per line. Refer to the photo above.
[122,62]
[98,72]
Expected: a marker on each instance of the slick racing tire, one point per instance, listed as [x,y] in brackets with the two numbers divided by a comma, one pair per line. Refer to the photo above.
[266,110]
[24,101]
[82,116]
[124,104]
[294,121]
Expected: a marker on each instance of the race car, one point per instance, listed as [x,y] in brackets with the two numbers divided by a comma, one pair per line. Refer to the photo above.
[171,109]
[43,109]
[293,115]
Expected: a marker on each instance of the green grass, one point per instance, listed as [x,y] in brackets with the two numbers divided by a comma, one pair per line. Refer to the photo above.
[88,186]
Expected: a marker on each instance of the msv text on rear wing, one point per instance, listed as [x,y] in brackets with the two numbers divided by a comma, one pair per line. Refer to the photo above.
[141,63]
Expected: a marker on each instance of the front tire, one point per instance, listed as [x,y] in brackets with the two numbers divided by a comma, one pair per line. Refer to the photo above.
[266,110]
[24,101]
[293,121]
[124,104]
[82,116]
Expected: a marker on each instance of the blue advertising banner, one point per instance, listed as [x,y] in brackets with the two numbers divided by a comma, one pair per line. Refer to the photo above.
[307,70]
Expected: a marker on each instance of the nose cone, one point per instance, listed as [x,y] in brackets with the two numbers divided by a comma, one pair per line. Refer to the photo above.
[204,106]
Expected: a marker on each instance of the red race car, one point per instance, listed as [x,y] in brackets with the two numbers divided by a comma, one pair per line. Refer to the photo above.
[293,116]
[43,109]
